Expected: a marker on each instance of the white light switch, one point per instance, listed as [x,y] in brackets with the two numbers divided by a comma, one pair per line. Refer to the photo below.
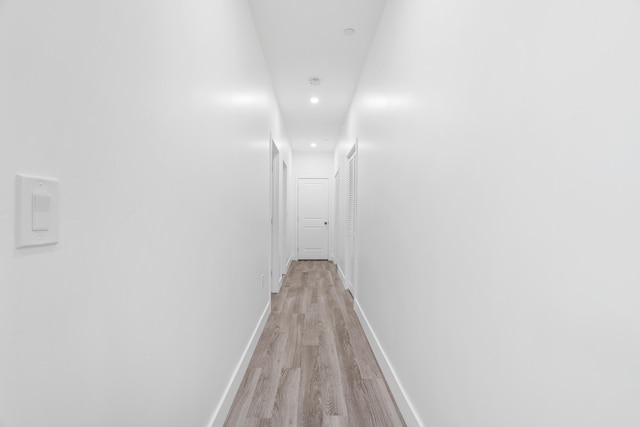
[40,204]
[36,211]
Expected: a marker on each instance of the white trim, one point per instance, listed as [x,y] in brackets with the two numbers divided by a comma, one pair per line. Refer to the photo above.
[222,410]
[335,214]
[289,261]
[407,409]
[284,215]
[274,152]
[353,149]
[343,278]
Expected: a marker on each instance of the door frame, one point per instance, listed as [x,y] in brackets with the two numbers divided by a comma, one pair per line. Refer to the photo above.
[284,231]
[274,216]
[334,232]
[351,242]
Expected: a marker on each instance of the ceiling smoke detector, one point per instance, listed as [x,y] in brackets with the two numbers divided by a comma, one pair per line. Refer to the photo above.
[349,31]
[314,81]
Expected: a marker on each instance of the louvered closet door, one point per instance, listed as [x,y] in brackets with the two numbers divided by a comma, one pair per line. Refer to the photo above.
[352,210]
[352,202]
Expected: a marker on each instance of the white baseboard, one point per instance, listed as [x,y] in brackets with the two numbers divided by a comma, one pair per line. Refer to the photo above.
[342,277]
[289,261]
[407,409]
[221,411]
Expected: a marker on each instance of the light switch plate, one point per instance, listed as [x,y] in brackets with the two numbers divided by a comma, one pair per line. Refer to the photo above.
[36,211]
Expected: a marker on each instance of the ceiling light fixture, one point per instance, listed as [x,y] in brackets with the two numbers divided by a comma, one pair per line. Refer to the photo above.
[349,31]
[314,100]
[313,144]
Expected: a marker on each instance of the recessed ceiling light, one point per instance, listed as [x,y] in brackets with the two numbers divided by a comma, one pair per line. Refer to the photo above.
[349,31]
[314,100]
[313,144]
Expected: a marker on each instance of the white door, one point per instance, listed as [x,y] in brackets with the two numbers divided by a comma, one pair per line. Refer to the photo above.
[313,218]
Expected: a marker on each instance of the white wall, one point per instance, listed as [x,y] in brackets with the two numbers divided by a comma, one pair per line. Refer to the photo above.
[155,117]
[310,164]
[499,205]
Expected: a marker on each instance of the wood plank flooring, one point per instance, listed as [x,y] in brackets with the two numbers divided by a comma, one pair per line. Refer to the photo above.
[313,365]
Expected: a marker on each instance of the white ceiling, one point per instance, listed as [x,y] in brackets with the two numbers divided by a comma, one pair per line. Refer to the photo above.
[304,39]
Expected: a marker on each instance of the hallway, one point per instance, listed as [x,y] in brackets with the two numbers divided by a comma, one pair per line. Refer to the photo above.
[313,365]
[482,171]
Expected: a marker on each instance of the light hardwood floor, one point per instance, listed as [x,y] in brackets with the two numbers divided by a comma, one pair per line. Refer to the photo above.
[313,365]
